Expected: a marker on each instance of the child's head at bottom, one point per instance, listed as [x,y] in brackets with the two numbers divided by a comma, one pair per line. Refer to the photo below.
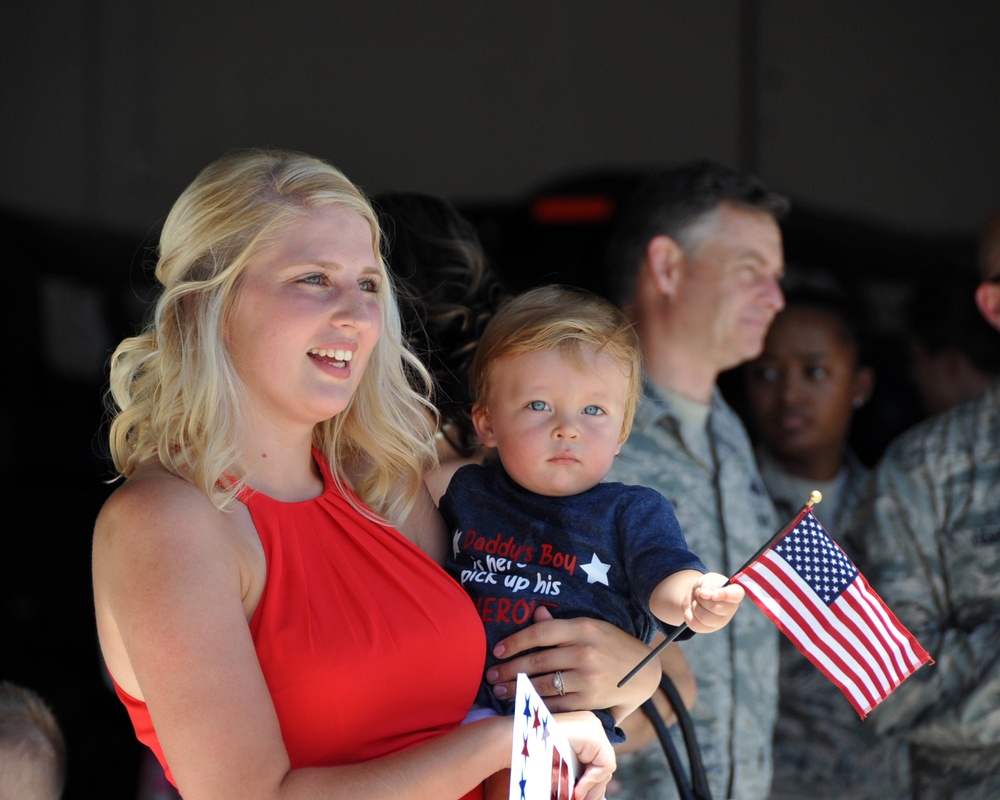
[32,749]
[556,378]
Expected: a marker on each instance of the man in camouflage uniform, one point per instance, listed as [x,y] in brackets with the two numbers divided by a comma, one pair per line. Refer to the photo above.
[929,529]
[697,259]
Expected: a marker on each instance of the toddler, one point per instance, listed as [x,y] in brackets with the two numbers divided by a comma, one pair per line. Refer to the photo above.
[556,378]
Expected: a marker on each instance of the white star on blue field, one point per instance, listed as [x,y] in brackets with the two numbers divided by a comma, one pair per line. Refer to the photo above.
[597,570]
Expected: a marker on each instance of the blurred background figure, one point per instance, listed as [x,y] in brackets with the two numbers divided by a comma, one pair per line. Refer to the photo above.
[802,395]
[954,352]
[928,526]
[32,751]
[447,292]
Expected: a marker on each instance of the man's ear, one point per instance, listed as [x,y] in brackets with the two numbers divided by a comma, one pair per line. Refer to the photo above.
[664,258]
[484,425]
[988,300]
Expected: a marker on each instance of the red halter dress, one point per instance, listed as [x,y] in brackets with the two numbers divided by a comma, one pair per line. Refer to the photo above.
[367,646]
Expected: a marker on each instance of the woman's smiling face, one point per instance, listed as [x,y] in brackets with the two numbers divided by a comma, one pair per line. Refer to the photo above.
[307,319]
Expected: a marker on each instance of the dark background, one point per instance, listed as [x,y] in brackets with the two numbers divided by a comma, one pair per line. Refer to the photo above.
[879,120]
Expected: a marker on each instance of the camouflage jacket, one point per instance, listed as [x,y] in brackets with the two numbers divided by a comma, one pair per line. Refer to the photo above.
[836,508]
[928,529]
[726,516]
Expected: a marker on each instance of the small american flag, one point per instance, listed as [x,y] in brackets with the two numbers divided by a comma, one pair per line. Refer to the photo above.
[810,589]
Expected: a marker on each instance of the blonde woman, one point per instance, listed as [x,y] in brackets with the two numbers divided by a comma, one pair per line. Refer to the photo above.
[266,579]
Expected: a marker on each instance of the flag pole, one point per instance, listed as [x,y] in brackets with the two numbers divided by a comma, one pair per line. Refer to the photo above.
[815,498]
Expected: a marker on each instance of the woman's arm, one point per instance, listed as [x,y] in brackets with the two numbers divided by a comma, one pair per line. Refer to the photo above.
[639,731]
[440,768]
[425,527]
[592,656]
[170,576]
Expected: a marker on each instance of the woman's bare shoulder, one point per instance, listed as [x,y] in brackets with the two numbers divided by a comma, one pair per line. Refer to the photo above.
[151,481]
[154,499]
[157,518]
[163,553]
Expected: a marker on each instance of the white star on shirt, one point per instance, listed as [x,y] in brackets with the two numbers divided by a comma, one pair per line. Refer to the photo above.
[597,571]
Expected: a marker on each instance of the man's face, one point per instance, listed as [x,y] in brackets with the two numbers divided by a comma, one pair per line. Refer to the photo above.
[728,291]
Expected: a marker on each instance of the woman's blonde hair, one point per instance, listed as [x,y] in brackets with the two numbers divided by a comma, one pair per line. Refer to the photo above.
[564,319]
[178,395]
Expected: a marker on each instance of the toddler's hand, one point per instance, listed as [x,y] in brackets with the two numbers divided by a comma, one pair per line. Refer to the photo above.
[713,603]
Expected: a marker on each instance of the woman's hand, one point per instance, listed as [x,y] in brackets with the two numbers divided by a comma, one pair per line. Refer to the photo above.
[586,736]
[638,728]
[590,655]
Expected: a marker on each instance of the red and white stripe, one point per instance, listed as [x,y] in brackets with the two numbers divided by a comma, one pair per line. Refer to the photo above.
[856,641]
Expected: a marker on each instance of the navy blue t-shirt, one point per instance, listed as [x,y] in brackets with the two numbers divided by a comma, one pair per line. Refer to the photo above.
[596,554]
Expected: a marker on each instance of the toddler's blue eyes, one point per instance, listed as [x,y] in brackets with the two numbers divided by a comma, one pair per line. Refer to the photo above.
[541,405]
